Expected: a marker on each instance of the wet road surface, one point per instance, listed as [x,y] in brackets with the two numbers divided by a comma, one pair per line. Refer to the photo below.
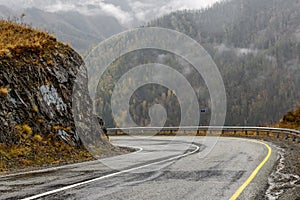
[163,168]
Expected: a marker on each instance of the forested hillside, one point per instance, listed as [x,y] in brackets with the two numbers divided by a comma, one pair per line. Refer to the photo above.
[255,44]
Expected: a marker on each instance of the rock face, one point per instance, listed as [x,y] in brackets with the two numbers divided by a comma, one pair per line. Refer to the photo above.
[36,89]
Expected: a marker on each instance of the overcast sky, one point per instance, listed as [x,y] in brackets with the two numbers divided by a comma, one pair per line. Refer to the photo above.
[127,12]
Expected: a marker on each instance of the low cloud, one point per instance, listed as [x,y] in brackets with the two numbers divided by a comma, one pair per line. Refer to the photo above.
[123,17]
[145,10]
[91,8]
[135,12]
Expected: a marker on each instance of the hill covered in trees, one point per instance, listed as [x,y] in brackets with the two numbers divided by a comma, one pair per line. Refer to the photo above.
[255,44]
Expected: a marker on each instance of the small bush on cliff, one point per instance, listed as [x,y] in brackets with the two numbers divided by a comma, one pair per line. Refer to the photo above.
[3,91]
[291,119]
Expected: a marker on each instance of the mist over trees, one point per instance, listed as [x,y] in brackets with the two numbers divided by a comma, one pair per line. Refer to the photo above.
[255,44]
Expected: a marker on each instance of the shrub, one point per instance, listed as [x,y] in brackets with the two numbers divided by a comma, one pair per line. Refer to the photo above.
[289,117]
[27,129]
[35,109]
[3,91]
[37,138]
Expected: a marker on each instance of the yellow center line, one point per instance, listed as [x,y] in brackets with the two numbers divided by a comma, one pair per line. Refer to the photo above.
[251,177]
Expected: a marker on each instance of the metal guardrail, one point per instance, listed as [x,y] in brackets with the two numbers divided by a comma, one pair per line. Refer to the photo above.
[288,133]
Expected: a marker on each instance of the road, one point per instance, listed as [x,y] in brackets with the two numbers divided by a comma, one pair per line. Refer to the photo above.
[162,168]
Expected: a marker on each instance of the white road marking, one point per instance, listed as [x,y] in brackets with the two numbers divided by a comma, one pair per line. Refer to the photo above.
[108,176]
[64,166]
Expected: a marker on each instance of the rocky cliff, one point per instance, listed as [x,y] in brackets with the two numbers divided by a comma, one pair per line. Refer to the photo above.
[37,75]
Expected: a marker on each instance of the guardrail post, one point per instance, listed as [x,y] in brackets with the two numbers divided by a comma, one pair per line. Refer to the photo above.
[246,132]
[257,132]
[198,131]
[287,136]
[277,135]
[294,138]
[268,133]
[234,132]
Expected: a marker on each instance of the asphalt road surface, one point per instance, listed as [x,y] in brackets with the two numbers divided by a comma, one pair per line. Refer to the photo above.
[162,168]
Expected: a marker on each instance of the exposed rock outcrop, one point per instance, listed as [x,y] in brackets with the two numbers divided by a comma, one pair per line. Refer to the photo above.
[37,86]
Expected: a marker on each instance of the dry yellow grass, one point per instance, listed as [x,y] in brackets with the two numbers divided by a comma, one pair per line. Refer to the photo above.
[20,40]
[37,151]
[17,36]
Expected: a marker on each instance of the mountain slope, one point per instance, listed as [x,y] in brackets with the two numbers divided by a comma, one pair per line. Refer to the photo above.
[255,44]
[82,32]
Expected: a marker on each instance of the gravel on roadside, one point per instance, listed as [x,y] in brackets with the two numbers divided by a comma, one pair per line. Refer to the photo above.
[284,180]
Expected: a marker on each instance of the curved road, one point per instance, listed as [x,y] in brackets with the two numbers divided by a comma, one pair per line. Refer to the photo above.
[163,168]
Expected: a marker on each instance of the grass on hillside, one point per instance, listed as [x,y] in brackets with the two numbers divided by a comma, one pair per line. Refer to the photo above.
[37,151]
[17,39]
